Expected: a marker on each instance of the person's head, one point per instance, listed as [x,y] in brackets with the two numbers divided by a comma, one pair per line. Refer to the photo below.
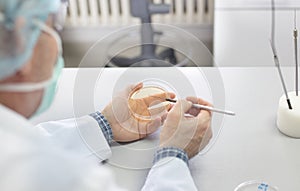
[30,53]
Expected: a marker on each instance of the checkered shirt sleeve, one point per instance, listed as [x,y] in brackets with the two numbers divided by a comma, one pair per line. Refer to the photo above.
[104,126]
[170,152]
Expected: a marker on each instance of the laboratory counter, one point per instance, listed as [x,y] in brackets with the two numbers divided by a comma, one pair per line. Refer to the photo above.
[245,147]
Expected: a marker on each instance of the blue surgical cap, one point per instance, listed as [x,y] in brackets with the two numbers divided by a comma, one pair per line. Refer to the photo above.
[18,33]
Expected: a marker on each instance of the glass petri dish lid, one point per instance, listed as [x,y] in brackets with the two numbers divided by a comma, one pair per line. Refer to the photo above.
[255,185]
[149,101]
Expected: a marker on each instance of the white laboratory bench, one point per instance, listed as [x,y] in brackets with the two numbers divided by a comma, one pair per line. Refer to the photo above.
[249,146]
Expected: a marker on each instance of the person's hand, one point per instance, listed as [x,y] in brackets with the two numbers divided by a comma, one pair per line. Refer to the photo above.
[125,126]
[186,127]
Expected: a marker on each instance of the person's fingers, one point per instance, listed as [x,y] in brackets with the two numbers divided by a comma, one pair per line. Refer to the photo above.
[149,127]
[154,125]
[138,107]
[204,116]
[206,138]
[158,98]
[164,117]
[171,95]
[158,109]
[197,100]
[209,133]
[194,111]
[133,87]
[180,108]
[170,106]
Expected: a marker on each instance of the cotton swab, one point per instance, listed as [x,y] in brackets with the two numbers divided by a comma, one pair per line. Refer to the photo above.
[198,106]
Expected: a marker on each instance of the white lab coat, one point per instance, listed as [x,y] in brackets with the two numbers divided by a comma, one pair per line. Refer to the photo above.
[65,155]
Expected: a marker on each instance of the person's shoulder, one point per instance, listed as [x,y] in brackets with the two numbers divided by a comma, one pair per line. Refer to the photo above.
[12,122]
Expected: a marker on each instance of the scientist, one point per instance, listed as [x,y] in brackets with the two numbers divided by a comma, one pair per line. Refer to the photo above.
[65,155]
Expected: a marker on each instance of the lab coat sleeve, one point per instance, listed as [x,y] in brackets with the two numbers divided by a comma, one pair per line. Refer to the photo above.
[82,136]
[169,173]
[29,163]
[97,179]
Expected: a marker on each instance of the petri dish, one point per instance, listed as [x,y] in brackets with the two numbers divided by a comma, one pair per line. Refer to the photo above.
[148,102]
[255,185]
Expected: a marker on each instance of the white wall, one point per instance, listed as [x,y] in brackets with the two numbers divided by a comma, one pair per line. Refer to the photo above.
[255,4]
[242,32]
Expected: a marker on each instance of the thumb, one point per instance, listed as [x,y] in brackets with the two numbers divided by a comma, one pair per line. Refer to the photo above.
[133,87]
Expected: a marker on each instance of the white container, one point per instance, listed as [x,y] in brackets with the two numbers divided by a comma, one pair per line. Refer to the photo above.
[288,121]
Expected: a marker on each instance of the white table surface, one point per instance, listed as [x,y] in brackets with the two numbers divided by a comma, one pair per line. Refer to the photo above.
[249,146]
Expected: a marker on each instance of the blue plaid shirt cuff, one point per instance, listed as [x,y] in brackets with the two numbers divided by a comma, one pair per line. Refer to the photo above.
[104,126]
[170,152]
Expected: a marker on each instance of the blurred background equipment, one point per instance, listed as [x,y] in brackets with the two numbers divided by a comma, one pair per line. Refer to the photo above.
[144,10]
[90,20]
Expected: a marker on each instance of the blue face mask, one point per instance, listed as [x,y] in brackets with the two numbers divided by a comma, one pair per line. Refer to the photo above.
[49,85]
[50,90]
